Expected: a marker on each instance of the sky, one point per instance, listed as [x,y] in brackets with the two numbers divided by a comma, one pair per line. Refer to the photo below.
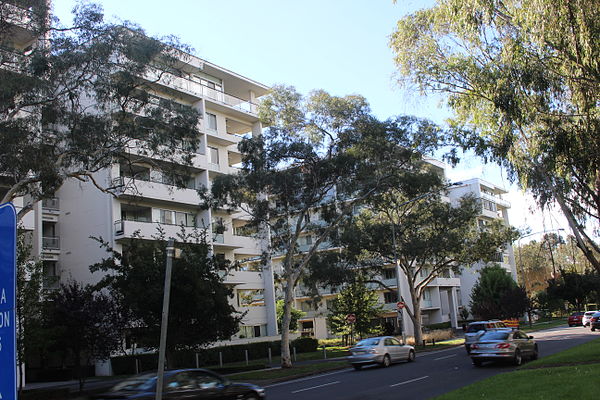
[340,46]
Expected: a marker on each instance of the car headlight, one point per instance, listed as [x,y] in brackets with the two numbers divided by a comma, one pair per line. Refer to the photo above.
[373,351]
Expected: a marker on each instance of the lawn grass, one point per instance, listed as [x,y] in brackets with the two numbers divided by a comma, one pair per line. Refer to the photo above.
[580,382]
[296,371]
[543,325]
[333,352]
[584,353]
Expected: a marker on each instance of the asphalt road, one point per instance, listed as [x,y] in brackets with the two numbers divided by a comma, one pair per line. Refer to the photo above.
[432,374]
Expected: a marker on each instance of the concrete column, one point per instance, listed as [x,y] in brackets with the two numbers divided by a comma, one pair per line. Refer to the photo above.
[453,304]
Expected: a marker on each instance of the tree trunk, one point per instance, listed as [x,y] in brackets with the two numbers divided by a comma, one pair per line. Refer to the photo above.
[286,359]
[416,317]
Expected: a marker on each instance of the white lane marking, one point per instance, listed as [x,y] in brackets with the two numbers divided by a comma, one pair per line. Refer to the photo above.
[443,358]
[316,387]
[410,381]
[308,378]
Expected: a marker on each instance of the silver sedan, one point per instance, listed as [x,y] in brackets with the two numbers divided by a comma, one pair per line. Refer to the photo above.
[383,350]
[501,345]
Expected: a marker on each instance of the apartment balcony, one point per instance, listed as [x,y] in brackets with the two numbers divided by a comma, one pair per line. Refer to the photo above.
[51,205]
[51,244]
[19,14]
[139,148]
[126,229]
[445,282]
[156,191]
[228,240]
[499,201]
[51,282]
[195,90]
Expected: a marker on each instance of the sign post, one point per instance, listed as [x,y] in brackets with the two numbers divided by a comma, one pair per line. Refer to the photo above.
[8,292]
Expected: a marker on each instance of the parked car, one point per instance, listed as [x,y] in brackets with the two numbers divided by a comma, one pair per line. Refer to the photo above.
[575,319]
[504,345]
[585,321]
[183,384]
[383,350]
[476,329]
[595,321]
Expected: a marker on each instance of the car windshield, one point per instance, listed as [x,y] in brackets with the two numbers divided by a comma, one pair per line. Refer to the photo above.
[136,384]
[475,328]
[368,342]
[494,336]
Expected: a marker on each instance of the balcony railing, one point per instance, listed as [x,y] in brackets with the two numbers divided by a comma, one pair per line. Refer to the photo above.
[51,282]
[52,204]
[51,243]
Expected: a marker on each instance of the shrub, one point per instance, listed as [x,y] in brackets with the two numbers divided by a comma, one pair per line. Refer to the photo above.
[331,342]
[305,344]
[441,325]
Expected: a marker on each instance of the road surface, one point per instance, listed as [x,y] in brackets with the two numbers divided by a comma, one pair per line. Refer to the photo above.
[432,374]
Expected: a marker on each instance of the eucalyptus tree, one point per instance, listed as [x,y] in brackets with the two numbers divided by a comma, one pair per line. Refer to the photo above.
[523,80]
[423,235]
[318,158]
[75,100]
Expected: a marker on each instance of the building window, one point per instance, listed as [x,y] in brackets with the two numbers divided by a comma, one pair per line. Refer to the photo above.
[211,121]
[489,205]
[214,155]
[306,306]
[389,273]
[251,297]
[253,331]
[169,217]
[390,297]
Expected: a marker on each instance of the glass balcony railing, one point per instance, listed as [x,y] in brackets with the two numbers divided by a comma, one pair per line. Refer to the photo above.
[51,243]
[52,204]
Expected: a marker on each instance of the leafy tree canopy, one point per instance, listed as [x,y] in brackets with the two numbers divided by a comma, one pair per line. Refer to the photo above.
[199,313]
[75,100]
[523,79]
[497,296]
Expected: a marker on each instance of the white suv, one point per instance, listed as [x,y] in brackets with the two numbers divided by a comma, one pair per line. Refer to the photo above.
[585,321]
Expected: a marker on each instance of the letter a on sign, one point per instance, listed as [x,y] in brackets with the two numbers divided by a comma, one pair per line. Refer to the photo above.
[8,280]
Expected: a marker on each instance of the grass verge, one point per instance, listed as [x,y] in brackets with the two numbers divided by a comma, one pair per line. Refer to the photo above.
[579,382]
[295,372]
[543,325]
[584,353]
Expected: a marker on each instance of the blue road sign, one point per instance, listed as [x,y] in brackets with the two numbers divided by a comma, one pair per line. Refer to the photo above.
[8,282]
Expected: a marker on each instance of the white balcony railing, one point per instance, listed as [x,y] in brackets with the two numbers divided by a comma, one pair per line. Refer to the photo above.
[51,243]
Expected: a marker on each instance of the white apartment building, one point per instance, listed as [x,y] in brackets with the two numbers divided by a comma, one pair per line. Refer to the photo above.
[493,207]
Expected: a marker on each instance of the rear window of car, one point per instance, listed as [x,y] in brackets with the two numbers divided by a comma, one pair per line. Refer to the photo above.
[368,342]
[475,328]
[587,314]
[494,336]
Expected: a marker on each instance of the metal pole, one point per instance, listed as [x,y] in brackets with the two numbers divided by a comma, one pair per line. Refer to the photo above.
[165,319]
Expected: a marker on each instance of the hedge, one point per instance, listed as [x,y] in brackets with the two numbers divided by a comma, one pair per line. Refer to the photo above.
[124,365]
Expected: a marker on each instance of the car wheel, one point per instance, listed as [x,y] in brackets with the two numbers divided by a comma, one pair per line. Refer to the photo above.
[468,348]
[411,356]
[386,361]
[593,329]
[570,326]
[357,366]
[477,363]
[535,354]
[518,360]
[251,397]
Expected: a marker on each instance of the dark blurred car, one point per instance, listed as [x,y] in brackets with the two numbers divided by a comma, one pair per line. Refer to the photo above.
[595,321]
[183,384]
[504,345]
[575,319]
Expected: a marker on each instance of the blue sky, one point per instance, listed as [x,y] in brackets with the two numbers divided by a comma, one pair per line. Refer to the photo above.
[340,46]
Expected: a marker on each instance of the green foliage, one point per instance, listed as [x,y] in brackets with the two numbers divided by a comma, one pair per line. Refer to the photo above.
[497,296]
[295,316]
[319,157]
[427,235]
[575,288]
[75,104]
[356,298]
[83,324]
[521,78]
[200,312]
[305,344]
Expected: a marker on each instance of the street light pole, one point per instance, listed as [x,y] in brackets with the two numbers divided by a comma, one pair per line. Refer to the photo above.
[165,319]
